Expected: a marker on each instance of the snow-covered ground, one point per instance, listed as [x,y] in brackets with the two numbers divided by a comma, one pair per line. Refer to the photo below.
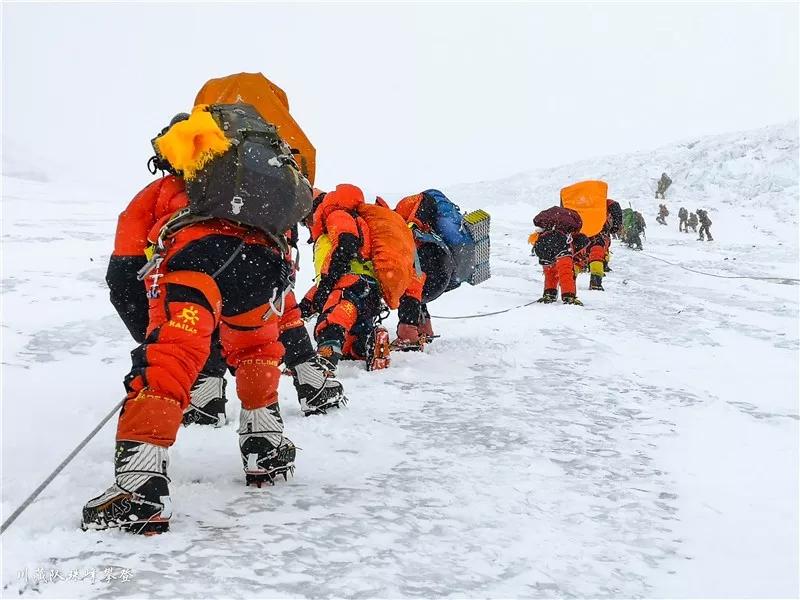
[643,445]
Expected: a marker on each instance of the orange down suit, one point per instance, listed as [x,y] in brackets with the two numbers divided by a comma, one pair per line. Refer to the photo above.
[412,310]
[202,283]
[555,252]
[347,296]
[600,244]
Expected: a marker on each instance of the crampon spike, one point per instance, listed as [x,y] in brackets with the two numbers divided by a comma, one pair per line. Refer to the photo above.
[379,357]
[259,479]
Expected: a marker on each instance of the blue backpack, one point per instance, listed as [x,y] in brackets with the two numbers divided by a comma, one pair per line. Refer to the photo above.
[450,227]
[449,220]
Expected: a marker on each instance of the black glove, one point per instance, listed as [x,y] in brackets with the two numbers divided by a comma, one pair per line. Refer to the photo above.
[324,290]
[306,309]
[345,251]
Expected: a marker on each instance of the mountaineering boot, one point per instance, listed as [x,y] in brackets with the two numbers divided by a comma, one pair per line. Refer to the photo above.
[408,338]
[331,353]
[265,452]
[548,297]
[596,283]
[139,500]
[606,267]
[426,329]
[207,402]
[571,299]
[378,349]
[317,386]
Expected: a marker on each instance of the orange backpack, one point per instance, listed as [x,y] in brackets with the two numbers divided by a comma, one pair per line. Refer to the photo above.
[393,250]
[273,106]
[588,199]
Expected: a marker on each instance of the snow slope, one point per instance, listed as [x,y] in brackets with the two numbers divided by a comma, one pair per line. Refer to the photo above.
[644,445]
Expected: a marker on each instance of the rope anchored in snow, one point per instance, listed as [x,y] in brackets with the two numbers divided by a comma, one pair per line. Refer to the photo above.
[30,499]
[783,280]
[490,314]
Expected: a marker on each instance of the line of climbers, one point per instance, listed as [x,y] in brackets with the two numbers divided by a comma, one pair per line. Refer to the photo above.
[202,275]
[576,236]
[687,220]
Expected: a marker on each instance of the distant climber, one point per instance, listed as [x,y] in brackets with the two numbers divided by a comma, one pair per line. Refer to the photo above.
[633,227]
[705,225]
[663,213]
[683,216]
[663,184]
[692,222]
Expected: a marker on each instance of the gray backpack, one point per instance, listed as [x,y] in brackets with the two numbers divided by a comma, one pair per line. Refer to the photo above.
[256,182]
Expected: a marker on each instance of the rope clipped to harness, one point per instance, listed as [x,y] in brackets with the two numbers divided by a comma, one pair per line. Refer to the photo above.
[287,285]
[274,310]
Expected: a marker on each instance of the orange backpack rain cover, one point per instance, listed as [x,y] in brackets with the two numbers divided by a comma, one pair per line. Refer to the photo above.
[393,250]
[587,198]
[273,105]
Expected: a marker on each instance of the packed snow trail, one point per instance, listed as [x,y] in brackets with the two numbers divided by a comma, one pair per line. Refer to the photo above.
[642,445]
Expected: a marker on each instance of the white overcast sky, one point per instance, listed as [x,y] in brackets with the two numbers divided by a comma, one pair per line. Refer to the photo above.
[399,97]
